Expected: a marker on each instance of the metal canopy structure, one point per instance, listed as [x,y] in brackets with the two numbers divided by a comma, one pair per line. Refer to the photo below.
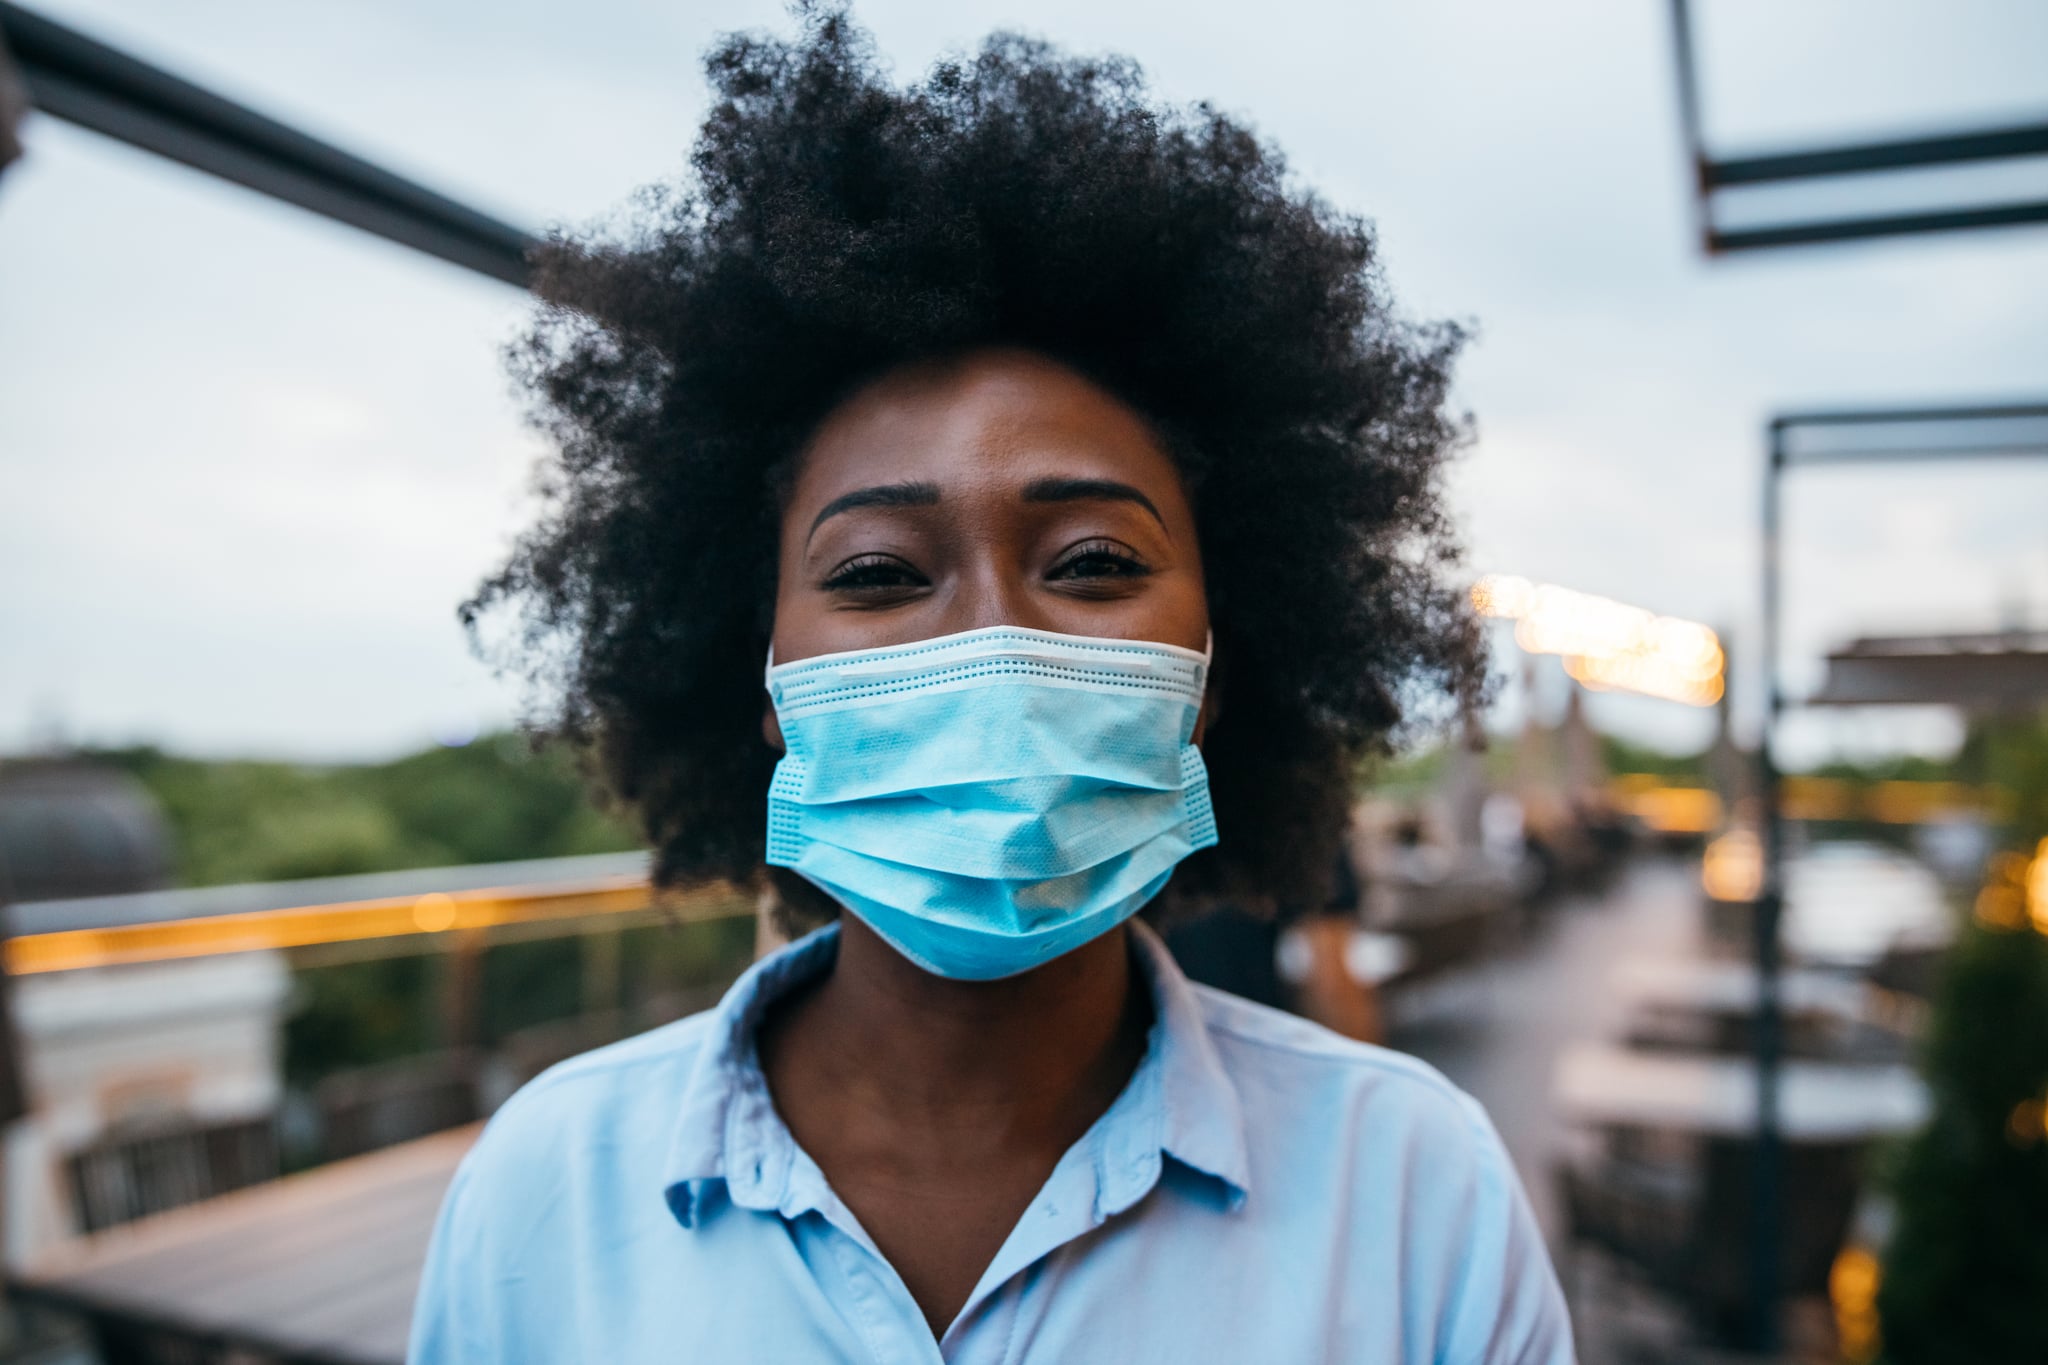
[86,82]
[1821,438]
[1982,673]
[1714,175]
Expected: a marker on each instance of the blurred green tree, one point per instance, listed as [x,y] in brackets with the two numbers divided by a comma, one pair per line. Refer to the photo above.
[1968,1263]
[1967,1267]
[495,800]
[1683,770]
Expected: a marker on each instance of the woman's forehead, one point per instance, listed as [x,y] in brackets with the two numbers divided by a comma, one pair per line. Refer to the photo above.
[986,421]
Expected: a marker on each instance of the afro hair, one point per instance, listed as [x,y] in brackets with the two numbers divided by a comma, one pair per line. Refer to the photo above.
[837,226]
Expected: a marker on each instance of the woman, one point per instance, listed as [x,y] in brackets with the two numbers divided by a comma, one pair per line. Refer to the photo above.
[1068,475]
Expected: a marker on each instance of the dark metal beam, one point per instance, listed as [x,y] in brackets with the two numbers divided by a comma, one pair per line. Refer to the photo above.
[1945,150]
[1766,1218]
[1930,451]
[1892,435]
[1891,225]
[86,82]
[1877,417]
[1689,120]
[1712,174]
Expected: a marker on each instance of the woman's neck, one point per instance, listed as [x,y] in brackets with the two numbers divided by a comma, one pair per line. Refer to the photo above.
[1032,1059]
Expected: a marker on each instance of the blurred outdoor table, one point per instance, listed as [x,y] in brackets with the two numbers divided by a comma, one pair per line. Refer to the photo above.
[1714,986]
[1710,1006]
[1605,1085]
[316,1267]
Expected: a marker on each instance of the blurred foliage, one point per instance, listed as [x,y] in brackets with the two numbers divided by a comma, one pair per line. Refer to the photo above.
[1968,1262]
[1403,776]
[1906,768]
[2012,752]
[656,971]
[492,801]
[1679,770]
[496,800]
[361,1013]
[1964,1275]
[1417,773]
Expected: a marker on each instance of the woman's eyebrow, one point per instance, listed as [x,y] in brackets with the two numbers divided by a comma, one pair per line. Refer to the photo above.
[1082,490]
[881,495]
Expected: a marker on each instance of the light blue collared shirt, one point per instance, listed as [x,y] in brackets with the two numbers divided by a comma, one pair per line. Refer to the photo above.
[1262,1190]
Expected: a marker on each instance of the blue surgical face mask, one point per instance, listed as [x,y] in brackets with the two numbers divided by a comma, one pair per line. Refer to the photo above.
[990,800]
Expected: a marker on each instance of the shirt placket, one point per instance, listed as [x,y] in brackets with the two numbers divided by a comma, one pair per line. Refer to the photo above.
[1113,1166]
[875,1301]
[773,1176]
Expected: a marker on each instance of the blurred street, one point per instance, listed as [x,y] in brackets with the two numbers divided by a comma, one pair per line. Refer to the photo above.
[1498,1033]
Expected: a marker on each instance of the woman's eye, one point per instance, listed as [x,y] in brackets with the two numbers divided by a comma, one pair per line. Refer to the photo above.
[872,573]
[1100,560]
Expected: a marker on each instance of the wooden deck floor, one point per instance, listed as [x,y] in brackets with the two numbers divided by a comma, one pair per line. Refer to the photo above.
[320,1266]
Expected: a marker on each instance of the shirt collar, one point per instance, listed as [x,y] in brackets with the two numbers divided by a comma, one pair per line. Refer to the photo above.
[1179,1102]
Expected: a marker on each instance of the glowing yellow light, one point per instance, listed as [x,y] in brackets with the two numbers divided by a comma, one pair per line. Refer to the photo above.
[1669,810]
[1648,674]
[1732,868]
[2000,908]
[433,913]
[349,921]
[1502,594]
[2027,1124]
[2037,888]
[1608,644]
[2009,868]
[1817,798]
[2015,893]
[1853,1283]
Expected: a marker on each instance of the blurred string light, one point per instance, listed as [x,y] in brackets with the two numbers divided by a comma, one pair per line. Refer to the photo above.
[2015,894]
[1609,645]
[1853,1283]
[2028,1123]
[1732,868]
[1664,809]
[1807,797]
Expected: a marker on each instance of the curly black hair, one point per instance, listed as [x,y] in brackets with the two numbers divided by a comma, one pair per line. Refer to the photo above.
[837,227]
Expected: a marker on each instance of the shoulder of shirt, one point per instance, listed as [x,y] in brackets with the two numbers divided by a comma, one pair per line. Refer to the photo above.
[669,1045]
[592,1087]
[1280,1039]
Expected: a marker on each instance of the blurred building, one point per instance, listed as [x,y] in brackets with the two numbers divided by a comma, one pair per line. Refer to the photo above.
[77,829]
[135,1086]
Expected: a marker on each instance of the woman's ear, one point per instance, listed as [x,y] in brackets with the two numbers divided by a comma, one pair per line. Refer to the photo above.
[771,726]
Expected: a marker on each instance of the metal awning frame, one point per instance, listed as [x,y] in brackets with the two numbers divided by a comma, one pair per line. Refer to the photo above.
[1852,436]
[1713,174]
[1978,673]
[84,81]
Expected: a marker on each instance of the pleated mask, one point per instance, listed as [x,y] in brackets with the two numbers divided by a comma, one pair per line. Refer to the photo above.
[990,800]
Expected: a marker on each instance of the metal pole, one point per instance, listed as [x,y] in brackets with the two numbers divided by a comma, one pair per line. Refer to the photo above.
[1769,906]
[1689,127]
[86,82]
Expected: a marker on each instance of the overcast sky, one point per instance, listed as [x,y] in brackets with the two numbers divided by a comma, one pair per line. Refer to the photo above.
[250,460]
